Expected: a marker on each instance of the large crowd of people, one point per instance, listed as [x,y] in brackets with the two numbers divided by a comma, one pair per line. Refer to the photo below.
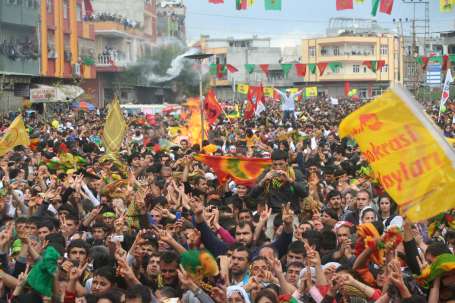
[155,225]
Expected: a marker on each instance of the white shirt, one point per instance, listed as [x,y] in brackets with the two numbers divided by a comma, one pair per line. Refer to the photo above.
[288,101]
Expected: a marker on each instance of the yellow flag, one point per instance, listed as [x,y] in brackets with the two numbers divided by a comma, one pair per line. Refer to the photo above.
[446,6]
[115,128]
[410,158]
[242,88]
[268,92]
[311,91]
[251,2]
[15,135]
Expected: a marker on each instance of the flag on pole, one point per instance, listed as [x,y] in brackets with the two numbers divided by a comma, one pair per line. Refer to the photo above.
[374,7]
[259,109]
[445,91]
[272,5]
[115,127]
[394,124]
[212,107]
[344,4]
[15,135]
[242,170]
[386,6]
[446,6]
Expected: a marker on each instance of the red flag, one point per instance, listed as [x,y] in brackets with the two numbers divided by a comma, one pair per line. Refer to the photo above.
[386,6]
[344,4]
[216,1]
[322,66]
[212,108]
[220,70]
[380,63]
[347,88]
[445,62]
[255,94]
[265,68]
[301,69]
[231,68]
[88,8]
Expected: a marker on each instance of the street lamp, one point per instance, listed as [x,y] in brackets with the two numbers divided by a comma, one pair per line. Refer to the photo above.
[199,58]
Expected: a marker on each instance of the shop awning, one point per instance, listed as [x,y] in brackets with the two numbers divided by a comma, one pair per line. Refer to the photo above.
[60,93]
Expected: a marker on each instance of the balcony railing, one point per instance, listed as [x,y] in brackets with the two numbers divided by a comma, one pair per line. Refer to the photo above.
[111,60]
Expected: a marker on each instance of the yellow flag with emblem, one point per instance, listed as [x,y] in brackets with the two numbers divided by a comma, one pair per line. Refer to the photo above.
[268,91]
[410,157]
[243,88]
[115,128]
[311,91]
[446,6]
[15,135]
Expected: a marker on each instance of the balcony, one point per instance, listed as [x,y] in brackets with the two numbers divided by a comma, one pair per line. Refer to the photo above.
[19,66]
[111,63]
[19,14]
[114,29]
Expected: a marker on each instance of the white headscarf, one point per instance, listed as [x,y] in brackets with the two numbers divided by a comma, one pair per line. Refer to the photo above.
[233,289]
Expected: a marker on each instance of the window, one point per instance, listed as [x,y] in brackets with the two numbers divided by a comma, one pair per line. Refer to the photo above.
[79,13]
[356,68]
[65,9]
[385,68]
[384,49]
[365,69]
[312,51]
[336,51]
[49,6]
[363,92]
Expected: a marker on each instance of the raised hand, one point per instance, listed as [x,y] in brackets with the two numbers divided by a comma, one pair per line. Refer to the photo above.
[265,214]
[287,214]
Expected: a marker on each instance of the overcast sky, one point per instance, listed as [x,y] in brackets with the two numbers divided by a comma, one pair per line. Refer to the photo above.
[298,18]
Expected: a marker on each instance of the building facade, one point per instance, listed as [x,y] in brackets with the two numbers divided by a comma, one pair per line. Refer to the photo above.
[124,34]
[171,19]
[19,54]
[351,52]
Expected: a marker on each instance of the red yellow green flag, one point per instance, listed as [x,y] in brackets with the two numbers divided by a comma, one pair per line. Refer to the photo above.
[394,125]
[242,170]
[15,135]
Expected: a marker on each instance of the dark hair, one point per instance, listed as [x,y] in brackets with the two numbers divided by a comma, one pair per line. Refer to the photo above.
[331,212]
[169,257]
[114,295]
[328,240]
[79,243]
[437,248]
[46,223]
[99,225]
[313,237]
[22,220]
[297,247]
[266,293]
[333,193]
[72,217]
[240,247]
[57,241]
[296,264]
[106,272]
[139,291]
[242,224]
[279,155]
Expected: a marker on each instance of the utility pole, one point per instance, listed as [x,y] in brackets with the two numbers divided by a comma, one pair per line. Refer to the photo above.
[415,31]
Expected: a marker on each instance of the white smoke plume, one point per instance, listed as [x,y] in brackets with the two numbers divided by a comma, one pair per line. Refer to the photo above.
[174,70]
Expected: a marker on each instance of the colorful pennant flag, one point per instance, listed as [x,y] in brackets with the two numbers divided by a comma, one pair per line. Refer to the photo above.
[242,88]
[115,127]
[15,135]
[386,6]
[374,7]
[312,68]
[286,68]
[374,65]
[231,68]
[344,4]
[322,66]
[219,70]
[265,69]
[272,5]
[301,69]
[446,6]
[241,170]
[250,68]
[216,1]
[241,4]
[334,66]
[421,183]
[359,1]
[212,108]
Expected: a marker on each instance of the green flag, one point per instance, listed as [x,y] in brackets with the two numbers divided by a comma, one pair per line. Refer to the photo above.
[250,68]
[286,68]
[374,7]
[334,65]
[312,68]
[272,5]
